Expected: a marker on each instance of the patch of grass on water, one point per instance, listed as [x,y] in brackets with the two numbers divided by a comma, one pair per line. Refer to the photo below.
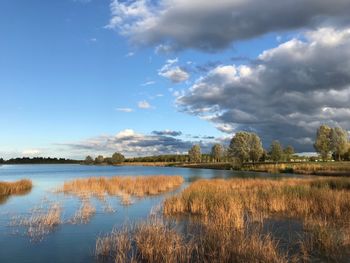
[10,188]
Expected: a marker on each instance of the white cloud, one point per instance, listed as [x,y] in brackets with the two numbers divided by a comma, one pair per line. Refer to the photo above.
[130,54]
[144,105]
[148,83]
[124,109]
[173,72]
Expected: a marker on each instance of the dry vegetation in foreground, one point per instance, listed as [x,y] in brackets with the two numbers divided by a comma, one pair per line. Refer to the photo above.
[19,187]
[41,222]
[121,186]
[323,205]
[157,241]
[223,221]
[84,213]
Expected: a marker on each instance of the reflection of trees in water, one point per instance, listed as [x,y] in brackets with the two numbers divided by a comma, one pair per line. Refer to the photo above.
[5,198]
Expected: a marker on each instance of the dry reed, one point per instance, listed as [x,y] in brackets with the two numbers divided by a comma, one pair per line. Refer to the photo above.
[84,214]
[157,241]
[236,203]
[124,187]
[19,187]
[41,223]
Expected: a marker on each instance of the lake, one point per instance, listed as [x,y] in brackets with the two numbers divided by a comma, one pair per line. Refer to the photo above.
[76,242]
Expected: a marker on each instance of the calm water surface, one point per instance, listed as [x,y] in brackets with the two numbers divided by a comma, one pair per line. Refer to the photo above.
[75,243]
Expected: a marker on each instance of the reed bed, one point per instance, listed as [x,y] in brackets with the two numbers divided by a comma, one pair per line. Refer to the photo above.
[125,187]
[157,241]
[319,168]
[322,205]
[41,222]
[19,187]
[84,213]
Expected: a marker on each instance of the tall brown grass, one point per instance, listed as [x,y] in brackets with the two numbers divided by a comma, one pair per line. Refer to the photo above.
[319,168]
[157,241]
[9,188]
[125,187]
[41,221]
[239,203]
[84,213]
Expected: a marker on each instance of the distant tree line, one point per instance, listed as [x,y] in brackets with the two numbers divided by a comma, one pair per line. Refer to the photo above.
[247,147]
[115,159]
[38,160]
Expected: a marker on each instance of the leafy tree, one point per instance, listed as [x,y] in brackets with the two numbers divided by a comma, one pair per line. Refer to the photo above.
[99,159]
[288,152]
[117,158]
[217,152]
[338,142]
[323,143]
[239,146]
[246,146]
[256,150]
[88,160]
[276,152]
[195,154]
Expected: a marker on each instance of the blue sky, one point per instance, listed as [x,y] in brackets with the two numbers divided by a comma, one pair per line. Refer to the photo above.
[70,83]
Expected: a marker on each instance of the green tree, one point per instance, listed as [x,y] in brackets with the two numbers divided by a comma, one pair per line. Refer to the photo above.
[246,146]
[276,151]
[323,143]
[239,146]
[338,142]
[288,152]
[99,159]
[217,152]
[117,158]
[256,150]
[195,154]
[88,160]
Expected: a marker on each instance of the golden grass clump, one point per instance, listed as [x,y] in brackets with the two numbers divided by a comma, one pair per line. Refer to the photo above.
[84,214]
[125,187]
[19,187]
[41,223]
[323,205]
[157,241]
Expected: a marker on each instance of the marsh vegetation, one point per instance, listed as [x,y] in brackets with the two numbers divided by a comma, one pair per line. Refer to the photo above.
[225,221]
[138,186]
[20,187]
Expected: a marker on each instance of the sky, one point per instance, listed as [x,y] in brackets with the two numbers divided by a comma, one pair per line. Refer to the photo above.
[146,77]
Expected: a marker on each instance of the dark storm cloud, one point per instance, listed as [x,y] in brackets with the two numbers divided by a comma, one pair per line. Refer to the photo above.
[285,94]
[214,25]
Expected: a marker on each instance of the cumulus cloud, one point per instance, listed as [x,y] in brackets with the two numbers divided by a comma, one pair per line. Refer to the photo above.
[144,105]
[168,133]
[132,143]
[285,94]
[214,25]
[173,72]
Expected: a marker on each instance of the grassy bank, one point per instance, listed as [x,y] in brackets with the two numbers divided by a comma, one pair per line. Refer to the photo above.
[310,168]
[225,221]
[307,168]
